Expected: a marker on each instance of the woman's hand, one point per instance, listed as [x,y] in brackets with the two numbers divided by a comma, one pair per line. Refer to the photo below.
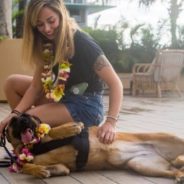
[5,122]
[106,132]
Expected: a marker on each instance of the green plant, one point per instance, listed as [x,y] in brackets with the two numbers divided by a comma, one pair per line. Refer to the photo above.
[3,38]
[107,39]
[17,17]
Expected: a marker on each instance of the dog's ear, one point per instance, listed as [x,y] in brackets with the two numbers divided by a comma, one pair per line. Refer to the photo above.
[16,143]
[13,120]
[8,129]
[14,126]
[9,133]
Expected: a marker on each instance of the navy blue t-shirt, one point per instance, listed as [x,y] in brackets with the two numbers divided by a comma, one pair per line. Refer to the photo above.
[82,68]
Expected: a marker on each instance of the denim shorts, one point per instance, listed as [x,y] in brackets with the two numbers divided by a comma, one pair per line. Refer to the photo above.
[87,108]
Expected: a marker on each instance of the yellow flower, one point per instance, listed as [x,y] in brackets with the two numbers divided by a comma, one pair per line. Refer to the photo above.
[43,130]
[57,93]
[47,83]
[64,65]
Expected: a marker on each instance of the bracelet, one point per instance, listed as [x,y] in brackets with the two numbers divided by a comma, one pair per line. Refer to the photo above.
[16,112]
[113,118]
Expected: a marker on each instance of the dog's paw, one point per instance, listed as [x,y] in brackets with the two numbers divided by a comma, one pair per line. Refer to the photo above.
[58,170]
[42,173]
[77,128]
[179,161]
[66,130]
[36,170]
[73,127]
[179,180]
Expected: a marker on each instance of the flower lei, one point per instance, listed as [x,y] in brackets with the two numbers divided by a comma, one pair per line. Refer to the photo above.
[25,155]
[54,89]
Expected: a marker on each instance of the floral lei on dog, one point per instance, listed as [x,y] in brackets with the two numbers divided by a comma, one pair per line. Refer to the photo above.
[54,88]
[25,155]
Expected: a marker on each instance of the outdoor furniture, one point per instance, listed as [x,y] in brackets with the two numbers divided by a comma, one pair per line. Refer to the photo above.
[162,74]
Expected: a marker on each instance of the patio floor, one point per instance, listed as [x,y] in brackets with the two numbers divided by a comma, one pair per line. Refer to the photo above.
[137,115]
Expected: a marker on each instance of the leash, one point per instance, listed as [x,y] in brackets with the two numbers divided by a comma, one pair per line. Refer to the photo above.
[8,162]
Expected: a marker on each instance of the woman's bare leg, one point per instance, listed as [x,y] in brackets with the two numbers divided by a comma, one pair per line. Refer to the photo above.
[52,113]
[15,87]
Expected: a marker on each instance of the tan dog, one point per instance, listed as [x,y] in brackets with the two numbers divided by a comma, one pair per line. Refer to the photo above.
[153,154]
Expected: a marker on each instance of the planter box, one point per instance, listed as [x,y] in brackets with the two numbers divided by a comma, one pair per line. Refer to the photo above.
[10,62]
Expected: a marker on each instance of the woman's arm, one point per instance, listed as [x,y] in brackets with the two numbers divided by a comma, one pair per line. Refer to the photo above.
[29,98]
[32,93]
[106,72]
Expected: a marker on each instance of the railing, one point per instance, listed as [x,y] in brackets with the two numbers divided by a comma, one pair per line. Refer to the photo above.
[93,2]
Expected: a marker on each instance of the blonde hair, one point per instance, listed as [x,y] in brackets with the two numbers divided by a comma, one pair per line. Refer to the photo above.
[32,43]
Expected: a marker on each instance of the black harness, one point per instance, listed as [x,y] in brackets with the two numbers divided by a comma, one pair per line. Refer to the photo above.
[80,143]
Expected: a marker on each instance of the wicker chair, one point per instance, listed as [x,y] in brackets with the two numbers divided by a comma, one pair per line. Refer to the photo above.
[164,72]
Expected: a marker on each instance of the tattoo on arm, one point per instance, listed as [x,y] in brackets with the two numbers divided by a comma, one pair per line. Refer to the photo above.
[100,64]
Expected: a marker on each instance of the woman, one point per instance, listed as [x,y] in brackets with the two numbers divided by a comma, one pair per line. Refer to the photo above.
[69,70]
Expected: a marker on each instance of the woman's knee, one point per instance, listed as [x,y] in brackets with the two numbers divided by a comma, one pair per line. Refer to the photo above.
[16,82]
[9,82]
